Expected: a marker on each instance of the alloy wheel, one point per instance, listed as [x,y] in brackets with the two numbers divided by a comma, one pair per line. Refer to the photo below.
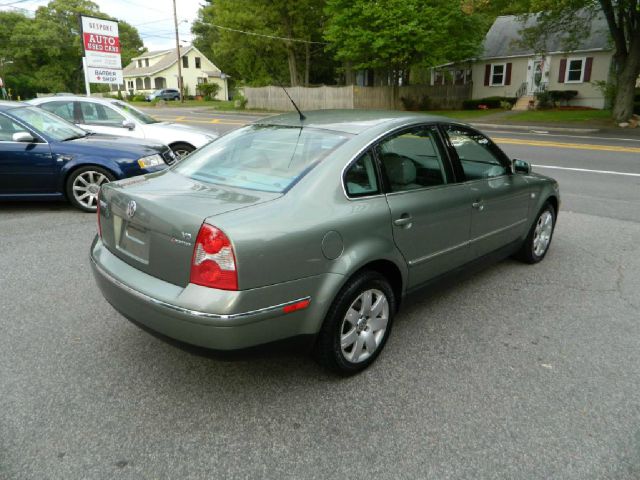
[542,233]
[86,187]
[364,325]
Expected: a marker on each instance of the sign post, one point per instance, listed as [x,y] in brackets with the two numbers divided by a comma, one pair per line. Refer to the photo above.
[101,61]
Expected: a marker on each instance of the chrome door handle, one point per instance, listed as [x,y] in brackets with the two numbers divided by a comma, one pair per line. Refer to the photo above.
[404,221]
[478,206]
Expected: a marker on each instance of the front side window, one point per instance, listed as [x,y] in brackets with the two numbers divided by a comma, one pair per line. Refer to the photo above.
[476,153]
[360,179]
[197,62]
[261,157]
[8,128]
[412,159]
[62,109]
[575,70]
[497,74]
[139,115]
[185,62]
[97,114]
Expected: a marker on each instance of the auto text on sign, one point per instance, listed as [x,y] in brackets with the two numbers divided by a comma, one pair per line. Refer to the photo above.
[101,43]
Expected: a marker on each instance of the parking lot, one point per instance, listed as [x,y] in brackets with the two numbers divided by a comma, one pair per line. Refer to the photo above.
[516,371]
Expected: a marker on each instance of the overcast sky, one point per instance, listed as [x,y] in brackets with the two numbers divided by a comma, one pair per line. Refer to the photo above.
[152,18]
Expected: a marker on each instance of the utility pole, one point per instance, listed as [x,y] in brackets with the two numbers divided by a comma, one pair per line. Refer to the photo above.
[175,22]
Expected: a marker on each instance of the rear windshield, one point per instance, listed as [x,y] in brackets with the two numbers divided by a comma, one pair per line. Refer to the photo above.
[258,157]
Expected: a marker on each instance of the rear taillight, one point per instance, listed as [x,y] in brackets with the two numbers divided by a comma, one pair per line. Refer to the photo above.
[98,213]
[213,264]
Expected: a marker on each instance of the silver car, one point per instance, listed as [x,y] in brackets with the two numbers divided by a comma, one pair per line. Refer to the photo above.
[315,228]
[116,117]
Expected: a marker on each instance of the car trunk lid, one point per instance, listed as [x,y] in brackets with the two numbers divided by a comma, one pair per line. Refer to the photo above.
[152,225]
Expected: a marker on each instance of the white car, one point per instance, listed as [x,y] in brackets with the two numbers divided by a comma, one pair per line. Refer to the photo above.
[115,117]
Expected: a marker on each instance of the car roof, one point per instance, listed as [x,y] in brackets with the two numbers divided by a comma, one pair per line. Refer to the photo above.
[8,105]
[351,121]
[63,98]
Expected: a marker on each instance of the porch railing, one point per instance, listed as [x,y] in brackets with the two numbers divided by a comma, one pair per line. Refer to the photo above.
[522,90]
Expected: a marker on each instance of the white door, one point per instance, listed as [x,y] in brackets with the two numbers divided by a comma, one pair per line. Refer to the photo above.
[535,76]
[103,119]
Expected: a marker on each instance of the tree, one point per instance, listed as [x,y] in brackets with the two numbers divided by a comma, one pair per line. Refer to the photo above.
[242,43]
[395,35]
[47,49]
[623,20]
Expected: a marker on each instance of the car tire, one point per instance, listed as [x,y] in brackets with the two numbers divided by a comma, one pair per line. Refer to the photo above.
[538,240]
[353,333]
[83,185]
[181,149]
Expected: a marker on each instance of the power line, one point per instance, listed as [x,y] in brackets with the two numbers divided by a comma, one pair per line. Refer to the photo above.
[274,37]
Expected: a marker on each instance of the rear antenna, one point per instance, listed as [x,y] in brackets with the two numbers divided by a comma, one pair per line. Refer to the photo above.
[302,117]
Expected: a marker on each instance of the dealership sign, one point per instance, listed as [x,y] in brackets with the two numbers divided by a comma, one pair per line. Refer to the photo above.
[104,75]
[101,48]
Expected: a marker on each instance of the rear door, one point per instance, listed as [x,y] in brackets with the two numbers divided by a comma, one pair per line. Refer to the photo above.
[500,200]
[431,213]
[25,168]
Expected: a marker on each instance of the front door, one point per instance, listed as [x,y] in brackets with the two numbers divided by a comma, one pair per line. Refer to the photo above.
[25,168]
[430,213]
[500,200]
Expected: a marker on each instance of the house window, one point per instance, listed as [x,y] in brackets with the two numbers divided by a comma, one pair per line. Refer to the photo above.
[130,84]
[185,62]
[197,62]
[459,77]
[202,80]
[575,70]
[139,63]
[498,74]
[146,62]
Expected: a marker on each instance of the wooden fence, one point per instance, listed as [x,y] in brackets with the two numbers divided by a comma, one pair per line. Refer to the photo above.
[414,97]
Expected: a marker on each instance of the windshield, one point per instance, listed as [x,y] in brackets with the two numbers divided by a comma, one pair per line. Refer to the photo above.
[140,116]
[48,124]
[267,158]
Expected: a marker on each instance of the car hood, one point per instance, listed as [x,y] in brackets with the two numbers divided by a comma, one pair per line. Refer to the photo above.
[124,146]
[183,128]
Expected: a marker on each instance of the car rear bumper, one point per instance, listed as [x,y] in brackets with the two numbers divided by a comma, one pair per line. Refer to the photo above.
[210,318]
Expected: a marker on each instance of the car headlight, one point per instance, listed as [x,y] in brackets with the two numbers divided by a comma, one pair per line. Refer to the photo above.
[151,161]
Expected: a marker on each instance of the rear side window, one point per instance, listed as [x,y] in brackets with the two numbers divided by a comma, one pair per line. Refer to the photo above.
[62,109]
[268,158]
[360,178]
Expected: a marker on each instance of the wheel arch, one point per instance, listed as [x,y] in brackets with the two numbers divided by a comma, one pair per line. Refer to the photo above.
[66,173]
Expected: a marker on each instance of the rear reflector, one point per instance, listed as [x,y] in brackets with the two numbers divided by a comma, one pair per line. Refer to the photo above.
[294,307]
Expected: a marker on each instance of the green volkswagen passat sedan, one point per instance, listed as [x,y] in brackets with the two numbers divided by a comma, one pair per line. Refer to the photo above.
[316,226]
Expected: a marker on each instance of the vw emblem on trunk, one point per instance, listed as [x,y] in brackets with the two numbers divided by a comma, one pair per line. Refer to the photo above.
[131,209]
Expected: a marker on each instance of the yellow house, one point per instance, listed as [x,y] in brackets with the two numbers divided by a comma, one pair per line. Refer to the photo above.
[156,70]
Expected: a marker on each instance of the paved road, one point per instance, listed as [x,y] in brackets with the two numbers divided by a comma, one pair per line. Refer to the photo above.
[514,372]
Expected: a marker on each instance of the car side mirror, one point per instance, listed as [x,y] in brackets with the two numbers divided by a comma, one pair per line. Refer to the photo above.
[23,137]
[520,166]
[128,124]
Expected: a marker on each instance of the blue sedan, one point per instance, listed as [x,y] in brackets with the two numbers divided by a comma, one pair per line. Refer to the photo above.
[45,157]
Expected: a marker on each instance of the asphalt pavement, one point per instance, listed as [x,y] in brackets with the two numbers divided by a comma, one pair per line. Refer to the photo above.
[514,372]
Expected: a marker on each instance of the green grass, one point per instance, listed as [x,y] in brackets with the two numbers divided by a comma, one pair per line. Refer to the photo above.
[464,114]
[562,116]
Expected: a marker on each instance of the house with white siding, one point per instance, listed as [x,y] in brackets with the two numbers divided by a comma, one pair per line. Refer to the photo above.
[159,69]
[509,68]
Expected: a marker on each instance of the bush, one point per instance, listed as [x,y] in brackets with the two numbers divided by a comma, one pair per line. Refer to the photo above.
[239,101]
[138,98]
[489,102]
[208,90]
[544,99]
[413,104]
[562,96]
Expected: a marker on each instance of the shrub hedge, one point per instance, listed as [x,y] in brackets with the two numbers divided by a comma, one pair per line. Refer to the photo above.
[489,102]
